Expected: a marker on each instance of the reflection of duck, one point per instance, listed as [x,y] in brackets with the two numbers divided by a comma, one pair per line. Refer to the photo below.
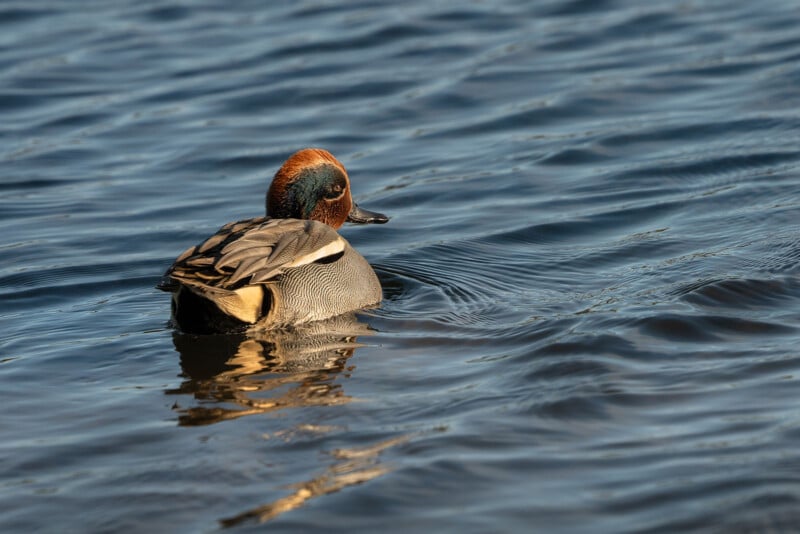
[263,372]
[255,370]
[353,466]
[290,267]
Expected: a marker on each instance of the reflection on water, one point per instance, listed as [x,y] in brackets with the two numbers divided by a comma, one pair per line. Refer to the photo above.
[258,372]
[353,466]
[261,372]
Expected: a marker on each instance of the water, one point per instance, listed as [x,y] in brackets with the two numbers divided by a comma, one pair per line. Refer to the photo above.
[591,272]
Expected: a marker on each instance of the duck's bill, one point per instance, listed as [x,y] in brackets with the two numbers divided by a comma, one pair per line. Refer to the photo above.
[361,216]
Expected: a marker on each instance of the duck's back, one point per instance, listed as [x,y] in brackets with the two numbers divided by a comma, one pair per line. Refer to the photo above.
[266,273]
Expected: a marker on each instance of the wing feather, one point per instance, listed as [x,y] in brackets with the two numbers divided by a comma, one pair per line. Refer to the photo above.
[252,251]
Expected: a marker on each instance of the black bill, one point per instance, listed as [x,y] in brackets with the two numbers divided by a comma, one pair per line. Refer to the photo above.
[361,216]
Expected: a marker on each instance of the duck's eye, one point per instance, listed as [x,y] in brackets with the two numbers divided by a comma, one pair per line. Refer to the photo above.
[335,191]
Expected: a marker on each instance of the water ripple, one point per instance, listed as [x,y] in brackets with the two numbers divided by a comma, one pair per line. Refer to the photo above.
[590,275]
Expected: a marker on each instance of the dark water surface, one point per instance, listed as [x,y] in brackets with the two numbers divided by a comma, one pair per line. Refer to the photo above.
[592,273]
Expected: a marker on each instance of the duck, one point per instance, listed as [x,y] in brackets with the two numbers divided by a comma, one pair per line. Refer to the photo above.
[287,268]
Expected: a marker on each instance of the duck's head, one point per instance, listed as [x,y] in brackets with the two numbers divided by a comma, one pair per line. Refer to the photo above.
[312,184]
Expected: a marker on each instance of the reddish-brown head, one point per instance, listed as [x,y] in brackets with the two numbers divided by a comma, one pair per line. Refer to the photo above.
[312,184]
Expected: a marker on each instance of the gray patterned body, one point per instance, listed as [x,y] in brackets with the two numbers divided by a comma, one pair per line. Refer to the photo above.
[263,273]
[321,290]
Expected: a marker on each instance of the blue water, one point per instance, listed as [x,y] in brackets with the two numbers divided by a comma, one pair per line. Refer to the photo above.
[591,275]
